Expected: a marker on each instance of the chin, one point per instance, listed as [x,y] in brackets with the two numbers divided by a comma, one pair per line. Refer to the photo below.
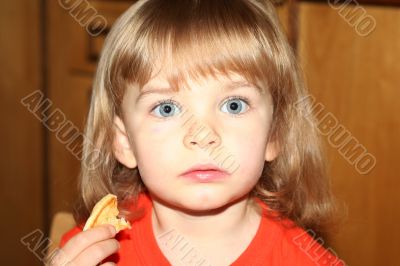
[198,199]
[200,202]
[201,209]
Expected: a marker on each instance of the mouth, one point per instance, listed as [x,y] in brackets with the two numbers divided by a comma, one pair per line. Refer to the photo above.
[205,173]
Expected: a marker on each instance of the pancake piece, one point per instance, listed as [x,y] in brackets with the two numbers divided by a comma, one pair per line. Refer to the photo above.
[105,212]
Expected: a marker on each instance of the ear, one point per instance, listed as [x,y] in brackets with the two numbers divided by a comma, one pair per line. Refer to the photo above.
[271,151]
[121,147]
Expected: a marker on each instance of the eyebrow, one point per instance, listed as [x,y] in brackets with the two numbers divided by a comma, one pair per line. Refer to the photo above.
[143,94]
[240,84]
[169,91]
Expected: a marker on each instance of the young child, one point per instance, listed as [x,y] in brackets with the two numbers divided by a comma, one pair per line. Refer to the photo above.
[202,184]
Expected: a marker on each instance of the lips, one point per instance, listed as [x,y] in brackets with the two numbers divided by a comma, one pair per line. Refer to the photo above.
[205,173]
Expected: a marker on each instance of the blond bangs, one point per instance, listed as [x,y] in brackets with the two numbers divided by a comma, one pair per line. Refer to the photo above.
[192,45]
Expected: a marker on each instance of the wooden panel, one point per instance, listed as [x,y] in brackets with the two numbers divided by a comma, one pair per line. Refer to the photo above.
[21,133]
[69,93]
[283,13]
[363,2]
[72,99]
[356,78]
[84,46]
[287,12]
[74,51]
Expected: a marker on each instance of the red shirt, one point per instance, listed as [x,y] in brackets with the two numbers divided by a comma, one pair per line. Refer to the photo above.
[273,244]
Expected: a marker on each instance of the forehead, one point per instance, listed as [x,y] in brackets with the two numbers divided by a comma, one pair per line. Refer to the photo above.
[224,81]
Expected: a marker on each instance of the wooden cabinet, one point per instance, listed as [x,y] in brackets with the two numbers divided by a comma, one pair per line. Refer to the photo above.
[73,54]
[356,78]
[21,166]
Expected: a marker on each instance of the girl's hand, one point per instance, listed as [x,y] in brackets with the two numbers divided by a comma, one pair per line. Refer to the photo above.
[87,248]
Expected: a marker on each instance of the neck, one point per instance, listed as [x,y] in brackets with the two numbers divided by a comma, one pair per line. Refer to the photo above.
[225,224]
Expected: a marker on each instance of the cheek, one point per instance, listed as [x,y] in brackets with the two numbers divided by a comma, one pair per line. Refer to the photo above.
[149,135]
[250,154]
[247,144]
[156,131]
[155,149]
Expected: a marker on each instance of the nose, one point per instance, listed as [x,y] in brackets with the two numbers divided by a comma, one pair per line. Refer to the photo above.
[202,136]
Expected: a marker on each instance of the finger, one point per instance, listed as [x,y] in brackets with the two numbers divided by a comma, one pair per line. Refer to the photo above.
[87,238]
[57,258]
[96,253]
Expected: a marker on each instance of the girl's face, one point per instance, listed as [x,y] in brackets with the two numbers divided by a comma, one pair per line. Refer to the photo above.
[222,121]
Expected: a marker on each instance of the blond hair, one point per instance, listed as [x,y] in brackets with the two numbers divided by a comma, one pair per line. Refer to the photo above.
[196,38]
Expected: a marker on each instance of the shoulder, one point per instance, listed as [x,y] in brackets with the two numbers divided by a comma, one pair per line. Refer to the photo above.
[298,245]
[293,245]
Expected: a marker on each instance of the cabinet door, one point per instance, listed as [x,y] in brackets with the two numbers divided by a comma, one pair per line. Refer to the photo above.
[74,48]
[21,134]
[354,74]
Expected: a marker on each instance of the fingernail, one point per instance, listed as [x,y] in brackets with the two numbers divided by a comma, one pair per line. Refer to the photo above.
[112,229]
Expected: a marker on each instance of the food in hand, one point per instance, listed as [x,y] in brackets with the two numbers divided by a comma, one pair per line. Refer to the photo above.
[105,212]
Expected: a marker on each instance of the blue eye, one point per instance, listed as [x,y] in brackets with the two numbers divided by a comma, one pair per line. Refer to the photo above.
[166,108]
[235,104]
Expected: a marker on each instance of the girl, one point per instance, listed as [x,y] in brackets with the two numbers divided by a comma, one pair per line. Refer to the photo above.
[197,129]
